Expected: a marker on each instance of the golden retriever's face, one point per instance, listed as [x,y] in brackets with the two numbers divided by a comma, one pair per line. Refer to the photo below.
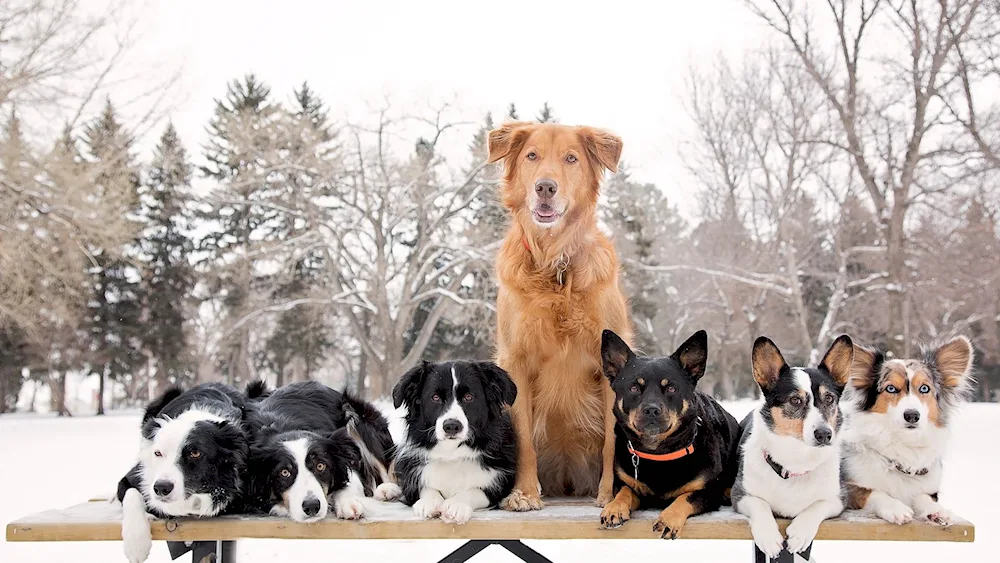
[552,170]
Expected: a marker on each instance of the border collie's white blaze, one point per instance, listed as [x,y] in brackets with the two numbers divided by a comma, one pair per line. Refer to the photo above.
[305,500]
[452,426]
[898,429]
[162,476]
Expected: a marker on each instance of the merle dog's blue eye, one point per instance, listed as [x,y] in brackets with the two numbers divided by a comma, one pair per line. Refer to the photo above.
[891,389]
[925,388]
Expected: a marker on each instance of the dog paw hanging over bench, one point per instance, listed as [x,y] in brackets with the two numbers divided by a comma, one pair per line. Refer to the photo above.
[561,519]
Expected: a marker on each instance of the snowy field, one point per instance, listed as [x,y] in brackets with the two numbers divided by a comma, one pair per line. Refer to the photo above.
[50,462]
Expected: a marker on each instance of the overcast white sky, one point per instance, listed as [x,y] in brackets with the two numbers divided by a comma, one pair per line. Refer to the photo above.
[614,64]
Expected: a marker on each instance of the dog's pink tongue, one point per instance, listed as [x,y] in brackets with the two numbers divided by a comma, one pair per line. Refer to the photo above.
[545,210]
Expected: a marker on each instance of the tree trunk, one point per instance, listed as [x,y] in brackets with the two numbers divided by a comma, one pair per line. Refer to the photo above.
[896,258]
[100,391]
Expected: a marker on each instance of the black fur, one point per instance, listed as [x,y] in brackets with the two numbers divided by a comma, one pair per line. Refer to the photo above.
[650,398]
[370,429]
[223,445]
[491,430]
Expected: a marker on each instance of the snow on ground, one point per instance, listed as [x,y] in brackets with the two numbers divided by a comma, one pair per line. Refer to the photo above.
[51,462]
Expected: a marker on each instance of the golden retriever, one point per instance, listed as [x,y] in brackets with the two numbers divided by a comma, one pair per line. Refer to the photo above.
[558,276]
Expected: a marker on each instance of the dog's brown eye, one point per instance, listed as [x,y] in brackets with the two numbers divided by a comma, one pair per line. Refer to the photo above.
[634,388]
[532,155]
[571,158]
[829,398]
[320,467]
[467,398]
[436,398]
[194,454]
[795,401]
[671,389]
[285,473]
[158,453]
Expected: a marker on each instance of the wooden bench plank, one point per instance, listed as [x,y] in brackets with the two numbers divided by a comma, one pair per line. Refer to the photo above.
[561,519]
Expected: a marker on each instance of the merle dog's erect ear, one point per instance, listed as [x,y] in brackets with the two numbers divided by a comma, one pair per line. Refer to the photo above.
[767,362]
[154,408]
[615,353]
[693,355]
[499,385]
[407,390]
[839,360]
[954,361]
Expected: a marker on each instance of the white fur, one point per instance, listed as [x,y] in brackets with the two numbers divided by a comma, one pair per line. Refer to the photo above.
[387,492]
[808,499]
[169,441]
[455,412]
[306,486]
[452,483]
[814,417]
[137,540]
[874,442]
[348,503]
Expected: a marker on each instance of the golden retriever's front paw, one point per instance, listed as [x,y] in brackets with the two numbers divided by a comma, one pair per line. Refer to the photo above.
[603,499]
[519,501]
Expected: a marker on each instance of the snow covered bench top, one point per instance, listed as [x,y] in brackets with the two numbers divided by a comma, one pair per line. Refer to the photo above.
[100,520]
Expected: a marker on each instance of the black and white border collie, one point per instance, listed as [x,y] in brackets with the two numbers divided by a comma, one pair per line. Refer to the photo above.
[190,461]
[459,454]
[897,429]
[302,459]
[790,448]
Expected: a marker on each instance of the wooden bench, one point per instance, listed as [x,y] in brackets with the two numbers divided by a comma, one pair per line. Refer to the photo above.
[562,519]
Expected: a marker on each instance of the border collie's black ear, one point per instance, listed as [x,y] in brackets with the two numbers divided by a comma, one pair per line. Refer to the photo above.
[499,385]
[342,447]
[767,362]
[615,353]
[693,355]
[233,438]
[256,495]
[257,390]
[839,361]
[158,403]
[407,390]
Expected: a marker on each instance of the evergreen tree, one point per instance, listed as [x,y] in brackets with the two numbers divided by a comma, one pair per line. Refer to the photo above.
[115,305]
[545,116]
[512,112]
[243,136]
[169,278]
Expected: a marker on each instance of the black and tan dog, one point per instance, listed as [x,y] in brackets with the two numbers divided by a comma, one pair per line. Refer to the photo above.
[675,447]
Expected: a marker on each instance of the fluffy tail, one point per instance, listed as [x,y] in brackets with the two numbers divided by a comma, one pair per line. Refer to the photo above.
[370,430]
[257,390]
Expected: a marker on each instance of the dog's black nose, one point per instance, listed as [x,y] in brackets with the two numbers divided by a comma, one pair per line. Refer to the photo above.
[451,427]
[651,410]
[310,506]
[163,488]
[912,416]
[823,436]
[546,187]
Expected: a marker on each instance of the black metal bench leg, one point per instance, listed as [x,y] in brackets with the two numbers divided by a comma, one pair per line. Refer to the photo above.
[473,547]
[784,556]
[204,551]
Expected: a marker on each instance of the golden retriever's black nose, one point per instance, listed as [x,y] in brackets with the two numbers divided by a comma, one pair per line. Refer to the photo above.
[546,187]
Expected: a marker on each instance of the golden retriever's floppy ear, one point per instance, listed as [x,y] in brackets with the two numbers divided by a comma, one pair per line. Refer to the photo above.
[605,147]
[839,360]
[504,139]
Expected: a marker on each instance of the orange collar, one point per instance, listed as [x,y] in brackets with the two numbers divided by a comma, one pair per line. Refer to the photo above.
[669,456]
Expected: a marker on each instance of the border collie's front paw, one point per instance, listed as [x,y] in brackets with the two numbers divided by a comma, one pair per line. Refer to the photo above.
[892,510]
[454,512]
[518,501]
[349,508]
[767,537]
[137,540]
[427,508]
[800,533]
[387,492]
